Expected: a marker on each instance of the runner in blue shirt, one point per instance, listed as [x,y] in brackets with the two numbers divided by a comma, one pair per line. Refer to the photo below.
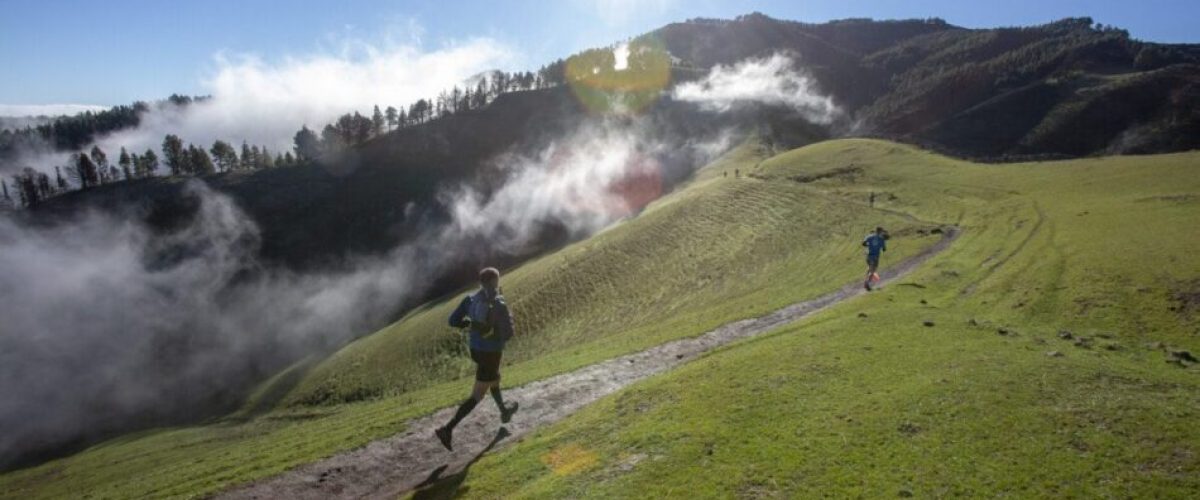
[487,316]
[876,243]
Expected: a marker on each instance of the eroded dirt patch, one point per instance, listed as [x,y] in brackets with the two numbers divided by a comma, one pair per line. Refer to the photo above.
[848,173]
[1186,298]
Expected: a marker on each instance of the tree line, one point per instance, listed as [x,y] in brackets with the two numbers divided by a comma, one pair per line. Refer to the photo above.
[94,168]
[353,128]
[67,133]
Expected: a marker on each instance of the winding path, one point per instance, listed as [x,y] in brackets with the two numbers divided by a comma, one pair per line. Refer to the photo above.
[391,466]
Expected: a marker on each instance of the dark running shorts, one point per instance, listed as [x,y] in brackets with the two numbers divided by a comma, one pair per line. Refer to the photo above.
[873,260]
[487,365]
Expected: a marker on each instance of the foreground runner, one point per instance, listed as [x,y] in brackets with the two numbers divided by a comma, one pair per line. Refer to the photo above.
[491,325]
[875,242]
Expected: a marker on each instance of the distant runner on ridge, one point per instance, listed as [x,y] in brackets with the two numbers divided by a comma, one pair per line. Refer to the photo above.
[876,242]
[491,325]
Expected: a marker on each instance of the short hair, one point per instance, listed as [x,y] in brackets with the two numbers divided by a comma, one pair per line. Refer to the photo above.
[489,275]
[878,229]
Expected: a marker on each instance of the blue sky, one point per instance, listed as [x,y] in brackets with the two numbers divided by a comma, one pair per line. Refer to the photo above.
[116,51]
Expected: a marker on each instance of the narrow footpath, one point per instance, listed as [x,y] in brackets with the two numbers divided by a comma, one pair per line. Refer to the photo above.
[391,466]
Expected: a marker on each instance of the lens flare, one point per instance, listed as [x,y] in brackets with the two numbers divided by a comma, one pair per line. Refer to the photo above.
[622,80]
[637,183]
[641,184]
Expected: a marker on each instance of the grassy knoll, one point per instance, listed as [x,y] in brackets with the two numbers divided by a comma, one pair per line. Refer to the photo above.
[1029,359]
[718,250]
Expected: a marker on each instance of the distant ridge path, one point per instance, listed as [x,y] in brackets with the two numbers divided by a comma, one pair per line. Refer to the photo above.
[388,467]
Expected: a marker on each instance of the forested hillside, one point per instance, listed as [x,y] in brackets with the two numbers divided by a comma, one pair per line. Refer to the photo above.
[1065,89]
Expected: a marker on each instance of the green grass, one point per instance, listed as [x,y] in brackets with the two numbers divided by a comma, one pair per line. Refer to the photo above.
[841,405]
[719,250]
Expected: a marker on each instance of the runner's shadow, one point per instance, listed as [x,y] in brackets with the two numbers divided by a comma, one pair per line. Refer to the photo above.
[439,487]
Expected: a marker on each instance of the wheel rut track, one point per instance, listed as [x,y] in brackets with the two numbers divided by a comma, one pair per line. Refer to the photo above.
[993,266]
[394,465]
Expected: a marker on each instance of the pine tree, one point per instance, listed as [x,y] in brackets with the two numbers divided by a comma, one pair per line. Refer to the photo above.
[456,98]
[99,158]
[247,157]
[199,161]
[125,162]
[264,159]
[84,171]
[392,117]
[174,154]
[499,83]
[45,190]
[150,161]
[27,187]
[59,180]
[224,156]
[307,145]
[377,122]
[255,158]
[361,128]
[101,161]
[331,140]
[414,111]
[481,94]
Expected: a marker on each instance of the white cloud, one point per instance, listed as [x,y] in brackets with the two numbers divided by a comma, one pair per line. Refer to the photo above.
[47,109]
[772,80]
[265,102]
[621,57]
[577,181]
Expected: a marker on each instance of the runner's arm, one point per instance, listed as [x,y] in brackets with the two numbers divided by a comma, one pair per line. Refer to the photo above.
[458,318]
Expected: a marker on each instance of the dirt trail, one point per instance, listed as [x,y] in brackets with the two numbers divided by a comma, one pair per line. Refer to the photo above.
[388,467]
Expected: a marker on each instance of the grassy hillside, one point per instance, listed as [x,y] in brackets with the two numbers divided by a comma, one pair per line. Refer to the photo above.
[1033,358]
[724,248]
[720,249]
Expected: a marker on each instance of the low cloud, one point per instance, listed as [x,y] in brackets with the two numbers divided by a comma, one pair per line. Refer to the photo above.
[265,102]
[772,80]
[34,110]
[578,181]
[105,322]
[621,56]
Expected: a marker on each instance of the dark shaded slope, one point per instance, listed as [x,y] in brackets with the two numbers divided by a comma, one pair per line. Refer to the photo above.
[831,52]
[1068,88]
